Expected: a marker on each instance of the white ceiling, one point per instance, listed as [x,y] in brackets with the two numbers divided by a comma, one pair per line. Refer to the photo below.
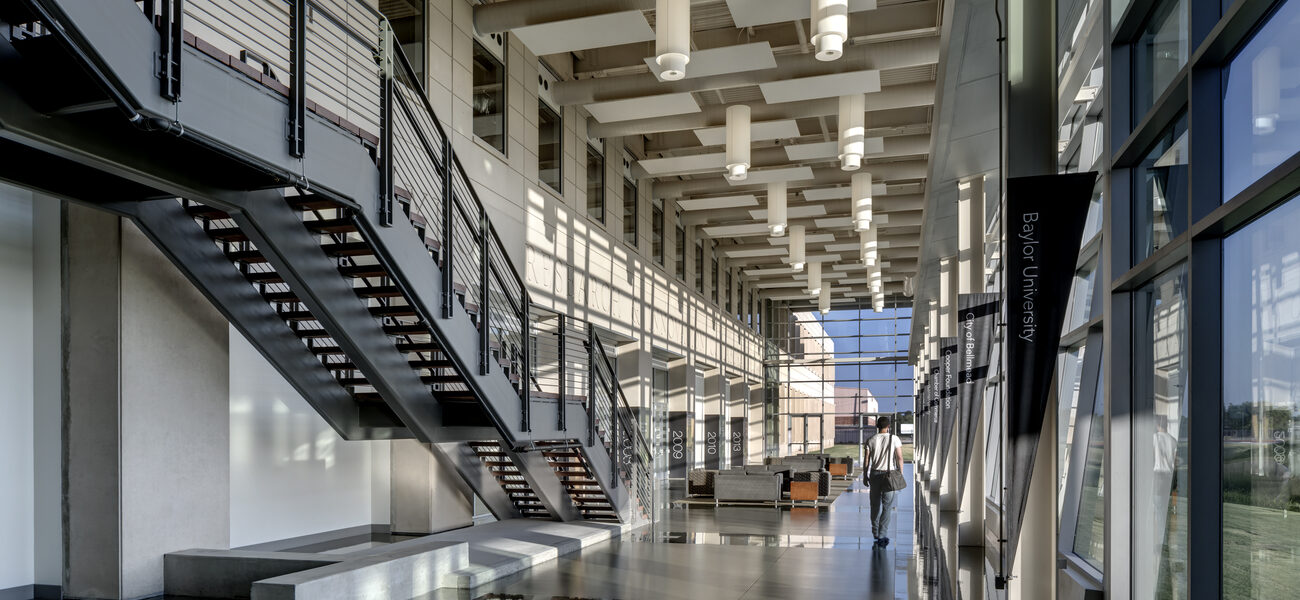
[757,52]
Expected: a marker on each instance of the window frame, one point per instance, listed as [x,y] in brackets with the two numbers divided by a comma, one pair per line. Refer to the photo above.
[542,106]
[631,227]
[597,154]
[504,109]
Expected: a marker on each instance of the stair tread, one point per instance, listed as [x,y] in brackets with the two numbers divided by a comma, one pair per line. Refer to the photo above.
[330,225]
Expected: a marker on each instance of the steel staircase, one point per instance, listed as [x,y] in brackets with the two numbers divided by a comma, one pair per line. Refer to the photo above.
[355,254]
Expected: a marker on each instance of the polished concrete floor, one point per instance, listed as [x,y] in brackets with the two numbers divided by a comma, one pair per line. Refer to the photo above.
[733,553]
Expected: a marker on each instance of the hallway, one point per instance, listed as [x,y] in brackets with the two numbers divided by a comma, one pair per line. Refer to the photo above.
[734,553]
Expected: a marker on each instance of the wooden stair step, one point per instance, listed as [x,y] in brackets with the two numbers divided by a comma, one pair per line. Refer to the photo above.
[295,315]
[311,333]
[246,256]
[228,234]
[311,202]
[322,226]
[204,211]
[378,291]
[280,297]
[359,271]
[400,310]
[342,249]
[406,329]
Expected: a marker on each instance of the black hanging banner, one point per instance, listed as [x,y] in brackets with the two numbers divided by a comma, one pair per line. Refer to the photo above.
[737,441]
[932,436]
[947,398]
[976,317]
[1044,224]
[679,446]
[712,441]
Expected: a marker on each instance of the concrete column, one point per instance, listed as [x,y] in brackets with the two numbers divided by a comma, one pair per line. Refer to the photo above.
[714,382]
[634,371]
[146,445]
[756,440]
[970,279]
[1030,107]
[738,409]
[427,495]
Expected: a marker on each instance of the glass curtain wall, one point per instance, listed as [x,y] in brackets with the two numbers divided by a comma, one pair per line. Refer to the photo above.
[835,372]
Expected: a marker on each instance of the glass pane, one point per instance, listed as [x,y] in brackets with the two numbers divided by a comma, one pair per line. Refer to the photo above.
[1261,403]
[699,266]
[595,184]
[489,98]
[716,283]
[657,231]
[1160,203]
[679,248]
[1261,118]
[1159,54]
[1080,302]
[629,212]
[1069,371]
[549,151]
[1160,418]
[1090,531]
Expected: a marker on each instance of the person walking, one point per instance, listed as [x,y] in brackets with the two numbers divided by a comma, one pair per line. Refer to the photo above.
[884,454]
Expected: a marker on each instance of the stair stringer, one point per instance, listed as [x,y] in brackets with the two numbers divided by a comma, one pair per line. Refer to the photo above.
[477,478]
[166,223]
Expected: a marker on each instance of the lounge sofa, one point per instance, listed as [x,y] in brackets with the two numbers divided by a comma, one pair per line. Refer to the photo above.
[700,482]
[736,485]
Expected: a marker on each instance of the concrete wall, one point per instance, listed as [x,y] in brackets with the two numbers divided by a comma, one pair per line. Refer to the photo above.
[17,509]
[174,436]
[47,415]
[290,473]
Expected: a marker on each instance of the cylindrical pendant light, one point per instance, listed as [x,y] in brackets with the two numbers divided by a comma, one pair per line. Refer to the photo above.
[853,131]
[830,27]
[776,203]
[814,278]
[870,247]
[861,191]
[1266,89]
[672,37]
[878,303]
[824,300]
[737,142]
[877,282]
[797,258]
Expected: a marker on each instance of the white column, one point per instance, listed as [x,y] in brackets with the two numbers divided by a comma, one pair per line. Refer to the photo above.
[970,279]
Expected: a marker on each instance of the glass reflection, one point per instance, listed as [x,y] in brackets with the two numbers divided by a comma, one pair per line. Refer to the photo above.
[1159,54]
[1090,531]
[1261,403]
[1261,119]
[1160,202]
[1160,500]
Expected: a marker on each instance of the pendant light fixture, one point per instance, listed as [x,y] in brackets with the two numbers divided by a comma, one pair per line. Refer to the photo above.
[737,142]
[878,303]
[877,282]
[870,247]
[814,278]
[830,27]
[776,204]
[672,37]
[853,131]
[861,190]
[824,300]
[797,258]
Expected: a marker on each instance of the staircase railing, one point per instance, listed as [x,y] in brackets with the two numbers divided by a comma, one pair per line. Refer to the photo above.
[570,361]
[339,60]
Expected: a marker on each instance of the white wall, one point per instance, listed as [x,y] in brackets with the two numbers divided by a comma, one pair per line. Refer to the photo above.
[17,514]
[290,474]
